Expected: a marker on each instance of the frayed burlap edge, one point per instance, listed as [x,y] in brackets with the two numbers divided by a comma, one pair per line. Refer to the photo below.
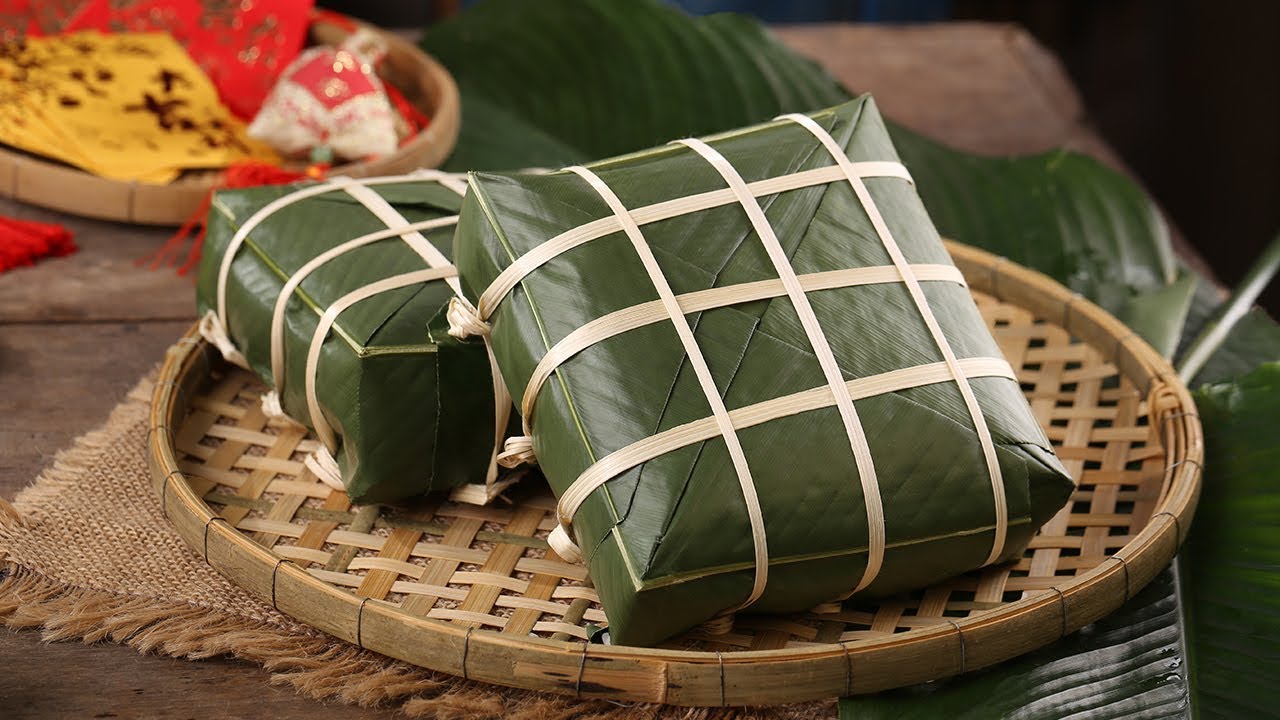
[314,664]
[317,666]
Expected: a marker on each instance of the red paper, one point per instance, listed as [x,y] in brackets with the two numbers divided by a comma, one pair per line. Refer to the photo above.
[242,45]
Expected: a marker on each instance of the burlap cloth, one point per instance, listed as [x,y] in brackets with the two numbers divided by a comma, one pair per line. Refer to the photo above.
[90,557]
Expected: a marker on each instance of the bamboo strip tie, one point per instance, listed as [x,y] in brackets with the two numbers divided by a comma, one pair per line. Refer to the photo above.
[318,421]
[556,246]
[637,316]
[669,306]
[680,436]
[295,281]
[213,326]
[822,349]
[703,372]
[922,304]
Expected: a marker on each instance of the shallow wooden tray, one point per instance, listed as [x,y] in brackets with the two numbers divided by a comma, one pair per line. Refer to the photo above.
[48,183]
[476,592]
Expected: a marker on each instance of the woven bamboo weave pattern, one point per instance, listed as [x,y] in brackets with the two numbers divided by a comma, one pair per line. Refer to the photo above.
[490,567]
[476,592]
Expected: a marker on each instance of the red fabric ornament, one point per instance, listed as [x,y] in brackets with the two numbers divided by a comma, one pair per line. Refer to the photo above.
[242,45]
[23,242]
[330,100]
[409,119]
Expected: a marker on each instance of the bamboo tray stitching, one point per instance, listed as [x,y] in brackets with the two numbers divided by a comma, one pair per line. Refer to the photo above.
[475,590]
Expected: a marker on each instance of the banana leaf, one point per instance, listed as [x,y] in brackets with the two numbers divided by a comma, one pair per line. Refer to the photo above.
[412,407]
[1225,340]
[668,542]
[1230,566]
[1203,638]
[1123,666]
[568,81]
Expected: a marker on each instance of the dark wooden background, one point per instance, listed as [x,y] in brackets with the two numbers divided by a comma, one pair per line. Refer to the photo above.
[1188,93]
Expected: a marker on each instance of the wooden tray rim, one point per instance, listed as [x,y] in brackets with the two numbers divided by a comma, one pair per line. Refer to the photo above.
[700,678]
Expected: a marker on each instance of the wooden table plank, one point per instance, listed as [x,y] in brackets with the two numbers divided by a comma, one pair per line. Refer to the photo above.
[981,87]
[100,283]
[59,381]
[72,681]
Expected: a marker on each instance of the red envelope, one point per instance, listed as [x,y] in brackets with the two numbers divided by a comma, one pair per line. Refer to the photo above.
[242,45]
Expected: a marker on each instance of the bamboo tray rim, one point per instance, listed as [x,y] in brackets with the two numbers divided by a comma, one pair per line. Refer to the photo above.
[703,678]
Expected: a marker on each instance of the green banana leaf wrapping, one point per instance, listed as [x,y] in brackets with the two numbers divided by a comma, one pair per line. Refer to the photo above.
[412,408]
[668,542]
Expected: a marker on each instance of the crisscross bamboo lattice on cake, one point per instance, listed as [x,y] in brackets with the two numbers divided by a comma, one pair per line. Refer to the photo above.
[490,567]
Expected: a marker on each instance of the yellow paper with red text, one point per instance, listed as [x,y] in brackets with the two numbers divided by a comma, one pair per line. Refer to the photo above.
[131,106]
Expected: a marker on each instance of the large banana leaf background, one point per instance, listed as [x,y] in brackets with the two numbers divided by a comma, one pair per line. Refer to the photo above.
[564,81]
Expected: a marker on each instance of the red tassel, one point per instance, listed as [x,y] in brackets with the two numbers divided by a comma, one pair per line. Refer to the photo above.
[248,173]
[23,242]
[253,174]
[196,224]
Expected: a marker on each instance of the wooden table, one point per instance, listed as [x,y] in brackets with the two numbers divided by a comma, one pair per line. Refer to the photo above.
[76,333]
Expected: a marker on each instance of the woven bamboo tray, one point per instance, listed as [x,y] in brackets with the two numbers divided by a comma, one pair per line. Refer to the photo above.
[476,592]
[51,184]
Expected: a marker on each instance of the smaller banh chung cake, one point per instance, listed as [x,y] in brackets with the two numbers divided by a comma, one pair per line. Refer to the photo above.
[751,374]
[335,294]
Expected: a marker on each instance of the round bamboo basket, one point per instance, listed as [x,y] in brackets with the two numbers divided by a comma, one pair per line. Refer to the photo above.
[424,82]
[475,591]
